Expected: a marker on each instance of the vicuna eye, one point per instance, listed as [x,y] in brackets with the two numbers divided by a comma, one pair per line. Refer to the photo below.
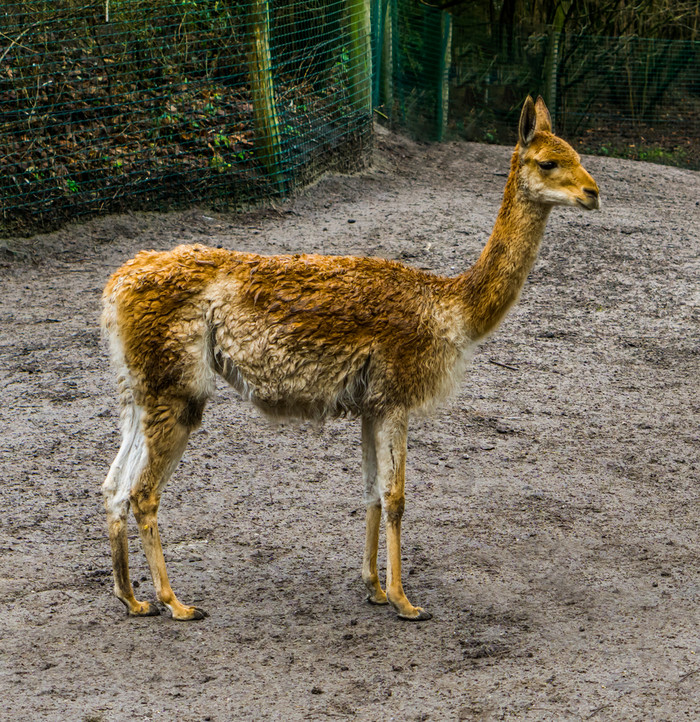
[547,164]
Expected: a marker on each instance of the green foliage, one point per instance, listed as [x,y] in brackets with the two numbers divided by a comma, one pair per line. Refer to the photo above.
[674,155]
[153,105]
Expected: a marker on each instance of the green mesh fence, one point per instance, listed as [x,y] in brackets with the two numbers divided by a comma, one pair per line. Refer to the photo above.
[411,45]
[132,104]
[625,96]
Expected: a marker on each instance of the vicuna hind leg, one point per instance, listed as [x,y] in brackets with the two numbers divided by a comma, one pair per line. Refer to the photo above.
[167,425]
[116,488]
[370,575]
[390,441]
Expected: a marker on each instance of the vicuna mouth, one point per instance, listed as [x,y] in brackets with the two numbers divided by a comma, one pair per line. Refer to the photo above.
[589,204]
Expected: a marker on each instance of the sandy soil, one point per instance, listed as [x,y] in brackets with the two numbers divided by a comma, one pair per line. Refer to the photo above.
[552,506]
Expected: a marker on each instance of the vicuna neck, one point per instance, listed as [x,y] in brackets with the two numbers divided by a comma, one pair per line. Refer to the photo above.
[491,286]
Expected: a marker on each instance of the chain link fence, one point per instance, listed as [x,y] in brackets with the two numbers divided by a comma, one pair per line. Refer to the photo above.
[147,105]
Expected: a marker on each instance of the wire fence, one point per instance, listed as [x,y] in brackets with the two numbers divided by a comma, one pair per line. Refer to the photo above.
[624,96]
[133,104]
[411,46]
[108,105]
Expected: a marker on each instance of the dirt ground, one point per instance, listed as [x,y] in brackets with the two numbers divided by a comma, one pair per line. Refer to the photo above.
[552,506]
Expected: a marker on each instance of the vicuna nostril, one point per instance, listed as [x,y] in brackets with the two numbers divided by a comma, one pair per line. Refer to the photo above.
[592,192]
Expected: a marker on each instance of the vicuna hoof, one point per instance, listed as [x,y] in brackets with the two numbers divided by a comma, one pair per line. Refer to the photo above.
[421,616]
[190,614]
[145,609]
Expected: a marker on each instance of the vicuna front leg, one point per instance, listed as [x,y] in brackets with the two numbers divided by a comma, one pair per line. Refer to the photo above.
[390,444]
[370,576]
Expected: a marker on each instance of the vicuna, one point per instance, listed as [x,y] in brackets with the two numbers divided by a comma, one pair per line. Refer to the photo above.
[313,337]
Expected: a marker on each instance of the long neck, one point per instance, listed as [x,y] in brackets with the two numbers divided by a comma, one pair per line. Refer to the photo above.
[490,287]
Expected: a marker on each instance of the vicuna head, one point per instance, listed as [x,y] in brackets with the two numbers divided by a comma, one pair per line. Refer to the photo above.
[550,170]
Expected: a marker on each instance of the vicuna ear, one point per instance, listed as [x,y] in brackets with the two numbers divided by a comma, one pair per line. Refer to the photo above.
[528,122]
[544,119]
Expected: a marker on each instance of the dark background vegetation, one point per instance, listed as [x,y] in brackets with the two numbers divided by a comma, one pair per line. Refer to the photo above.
[625,79]
[149,105]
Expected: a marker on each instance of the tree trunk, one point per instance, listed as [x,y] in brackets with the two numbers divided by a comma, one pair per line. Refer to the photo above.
[360,54]
[443,104]
[267,134]
[552,61]
[386,88]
